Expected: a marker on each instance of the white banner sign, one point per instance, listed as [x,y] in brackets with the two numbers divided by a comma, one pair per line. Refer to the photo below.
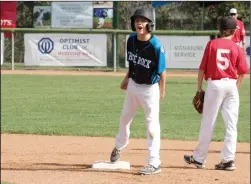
[187,51]
[2,47]
[72,15]
[248,50]
[65,49]
[182,51]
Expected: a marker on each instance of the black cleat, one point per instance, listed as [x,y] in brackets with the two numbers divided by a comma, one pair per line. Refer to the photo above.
[149,169]
[190,160]
[229,166]
[115,155]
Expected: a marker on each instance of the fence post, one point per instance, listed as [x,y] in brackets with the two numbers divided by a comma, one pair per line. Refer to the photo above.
[12,50]
[114,52]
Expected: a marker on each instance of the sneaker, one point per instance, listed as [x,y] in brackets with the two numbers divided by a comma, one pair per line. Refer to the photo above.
[149,169]
[115,155]
[229,166]
[190,160]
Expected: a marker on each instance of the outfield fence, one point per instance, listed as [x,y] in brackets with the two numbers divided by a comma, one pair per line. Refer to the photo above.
[184,48]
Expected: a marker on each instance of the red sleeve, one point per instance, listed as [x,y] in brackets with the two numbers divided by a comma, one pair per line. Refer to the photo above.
[243,32]
[241,65]
[203,64]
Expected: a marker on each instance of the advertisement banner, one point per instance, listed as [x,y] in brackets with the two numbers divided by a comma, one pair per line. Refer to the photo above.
[102,14]
[248,50]
[2,48]
[65,49]
[182,51]
[42,16]
[8,15]
[72,15]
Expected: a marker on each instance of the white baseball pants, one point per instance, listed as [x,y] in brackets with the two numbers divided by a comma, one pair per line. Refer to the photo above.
[146,96]
[101,22]
[219,94]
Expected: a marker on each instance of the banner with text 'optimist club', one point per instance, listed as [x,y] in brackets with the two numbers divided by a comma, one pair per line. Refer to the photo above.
[65,49]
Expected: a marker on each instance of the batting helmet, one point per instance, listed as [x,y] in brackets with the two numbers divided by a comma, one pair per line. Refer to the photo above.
[146,14]
[227,23]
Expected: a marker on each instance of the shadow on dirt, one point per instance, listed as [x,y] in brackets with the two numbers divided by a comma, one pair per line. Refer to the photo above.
[189,150]
[84,168]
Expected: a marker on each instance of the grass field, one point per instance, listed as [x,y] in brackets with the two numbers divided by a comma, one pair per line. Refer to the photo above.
[91,106]
[96,19]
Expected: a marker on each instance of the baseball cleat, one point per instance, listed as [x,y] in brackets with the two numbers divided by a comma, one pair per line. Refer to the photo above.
[190,160]
[149,169]
[115,155]
[228,166]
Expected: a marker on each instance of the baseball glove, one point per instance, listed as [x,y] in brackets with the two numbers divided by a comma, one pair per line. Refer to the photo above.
[198,101]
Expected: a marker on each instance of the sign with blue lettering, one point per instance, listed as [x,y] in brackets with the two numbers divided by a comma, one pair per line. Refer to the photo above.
[65,49]
[45,45]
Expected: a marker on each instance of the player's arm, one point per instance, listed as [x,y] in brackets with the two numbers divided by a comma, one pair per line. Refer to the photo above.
[124,83]
[162,84]
[203,67]
[162,71]
[240,80]
[243,33]
[242,67]
[201,74]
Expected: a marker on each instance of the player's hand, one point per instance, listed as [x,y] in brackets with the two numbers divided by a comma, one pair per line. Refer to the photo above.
[199,90]
[124,84]
[244,51]
[162,94]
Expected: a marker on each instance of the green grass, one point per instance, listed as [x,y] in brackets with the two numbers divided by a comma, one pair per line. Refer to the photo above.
[4,182]
[91,106]
[96,19]
[21,66]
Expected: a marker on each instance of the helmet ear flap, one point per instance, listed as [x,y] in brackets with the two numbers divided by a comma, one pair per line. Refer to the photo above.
[133,25]
[150,26]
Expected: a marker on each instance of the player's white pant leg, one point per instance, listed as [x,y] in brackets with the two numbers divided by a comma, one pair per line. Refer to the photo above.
[149,100]
[230,111]
[213,99]
[41,23]
[101,22]
[129,111]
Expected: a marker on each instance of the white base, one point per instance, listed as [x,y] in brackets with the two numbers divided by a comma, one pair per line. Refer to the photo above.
[110,165]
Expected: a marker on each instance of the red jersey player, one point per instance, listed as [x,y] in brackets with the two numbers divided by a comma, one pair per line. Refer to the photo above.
[223,65]
[239,34]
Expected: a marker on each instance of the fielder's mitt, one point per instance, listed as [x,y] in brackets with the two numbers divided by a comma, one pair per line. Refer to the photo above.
[198,101]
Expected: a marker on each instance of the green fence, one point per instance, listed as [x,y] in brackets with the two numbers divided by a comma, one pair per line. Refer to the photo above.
[116,40]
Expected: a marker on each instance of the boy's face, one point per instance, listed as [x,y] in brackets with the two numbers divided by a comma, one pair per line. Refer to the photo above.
[140,25]
[234,15]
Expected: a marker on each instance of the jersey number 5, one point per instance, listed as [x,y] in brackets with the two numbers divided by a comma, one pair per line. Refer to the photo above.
[221,59]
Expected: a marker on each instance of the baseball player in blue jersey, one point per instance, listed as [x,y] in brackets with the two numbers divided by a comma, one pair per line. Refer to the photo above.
[145,85]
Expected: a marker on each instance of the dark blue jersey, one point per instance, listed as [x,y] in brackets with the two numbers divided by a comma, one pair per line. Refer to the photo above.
[146,59]
[103,14]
